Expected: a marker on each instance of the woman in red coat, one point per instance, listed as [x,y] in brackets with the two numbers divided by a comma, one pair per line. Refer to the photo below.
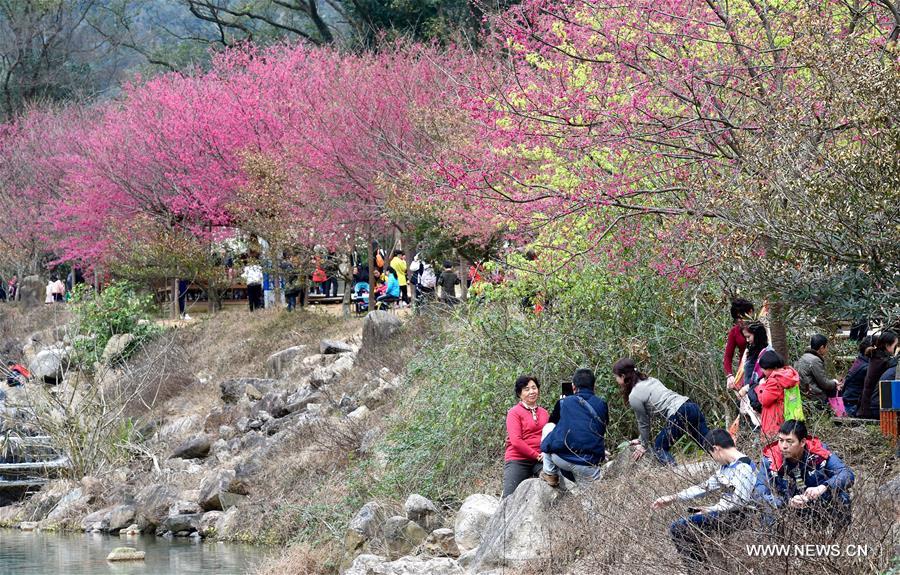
[741,311]
[524,423]
[770,392]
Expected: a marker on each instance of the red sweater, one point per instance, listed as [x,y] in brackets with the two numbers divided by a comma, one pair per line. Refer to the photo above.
[735,342]
[523,433]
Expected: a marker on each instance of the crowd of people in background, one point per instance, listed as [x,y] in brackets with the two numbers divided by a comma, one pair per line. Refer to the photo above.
[792,468]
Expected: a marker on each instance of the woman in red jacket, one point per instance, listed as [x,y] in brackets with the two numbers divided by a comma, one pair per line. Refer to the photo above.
[770,392]
[524,424]
[741,311]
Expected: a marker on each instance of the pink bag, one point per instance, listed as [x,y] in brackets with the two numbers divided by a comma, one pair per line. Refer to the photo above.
[837,406]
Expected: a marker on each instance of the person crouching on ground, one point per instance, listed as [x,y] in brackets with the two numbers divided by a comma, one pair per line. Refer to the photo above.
[799,472]
[524,423]
[577,444]
[647,397]
[735,478]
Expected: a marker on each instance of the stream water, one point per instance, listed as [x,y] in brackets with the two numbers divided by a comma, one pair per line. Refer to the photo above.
[45,553]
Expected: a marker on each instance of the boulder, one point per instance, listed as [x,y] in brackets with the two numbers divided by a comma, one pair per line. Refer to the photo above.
[178,426]
[116,347]
[471,519]
[441,543]
[401,536]
[365,526]
[132,530]
[331,347]
[278,362]
[28,526]
[301,398]
[326,374]
[273,403]
[196,447]
[377,565]
[183,522]
[232,390]
[120,517]
[378,329]
[229,524]
[423,511]
[213,487]
[49,365]
[97,521]
[208,523]
[153,503]
[359,413]
[125,554]
[520,530]
[184,507]
[31,292]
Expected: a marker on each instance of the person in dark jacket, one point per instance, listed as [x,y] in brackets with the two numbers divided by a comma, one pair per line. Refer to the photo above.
[880,357]
[856,376]
[566,390]
[800,473]
[448,281]
[811,367]
[577,444]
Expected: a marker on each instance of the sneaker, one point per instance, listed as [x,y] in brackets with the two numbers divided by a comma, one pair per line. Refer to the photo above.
[552,480]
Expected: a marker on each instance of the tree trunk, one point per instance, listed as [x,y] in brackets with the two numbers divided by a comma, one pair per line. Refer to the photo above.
[778,328]
[371,254]
[463,279]
[174,287]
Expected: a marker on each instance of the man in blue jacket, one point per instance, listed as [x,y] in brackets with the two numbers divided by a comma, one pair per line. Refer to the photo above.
[800,473]
[576,444]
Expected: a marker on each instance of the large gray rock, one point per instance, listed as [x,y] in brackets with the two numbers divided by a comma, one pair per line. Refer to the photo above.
[377,565]
[472,518]
[66,505]
[331,346]
[116,347]
[232,390]
[520,529]
[120,517]
[97,521]
[273,403]
[229,525]
[184,522]
[31,292]
[423,511]
[208,523]
[401,536]
[441,543]
[215,488]
[301,398]
[49,365]
[153,503]
[365,526]
[326,374]
[378,329]
[196,447]
[278,362]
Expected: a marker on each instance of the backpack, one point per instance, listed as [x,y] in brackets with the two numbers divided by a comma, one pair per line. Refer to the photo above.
[428,279]
[793,404]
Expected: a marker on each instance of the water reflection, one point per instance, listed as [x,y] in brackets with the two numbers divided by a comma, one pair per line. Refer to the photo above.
[40,553]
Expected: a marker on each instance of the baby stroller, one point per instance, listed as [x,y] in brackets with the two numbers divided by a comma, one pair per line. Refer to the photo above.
[360,297]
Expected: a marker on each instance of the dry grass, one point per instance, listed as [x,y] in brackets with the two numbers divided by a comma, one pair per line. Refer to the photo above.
[300,559]
[612,528]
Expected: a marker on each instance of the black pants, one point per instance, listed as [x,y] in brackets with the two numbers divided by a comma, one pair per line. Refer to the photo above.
[255,296]
[515,472]
[404,293]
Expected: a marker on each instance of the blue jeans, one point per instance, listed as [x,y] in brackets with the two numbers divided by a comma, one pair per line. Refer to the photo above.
[553,463]
[688,419]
